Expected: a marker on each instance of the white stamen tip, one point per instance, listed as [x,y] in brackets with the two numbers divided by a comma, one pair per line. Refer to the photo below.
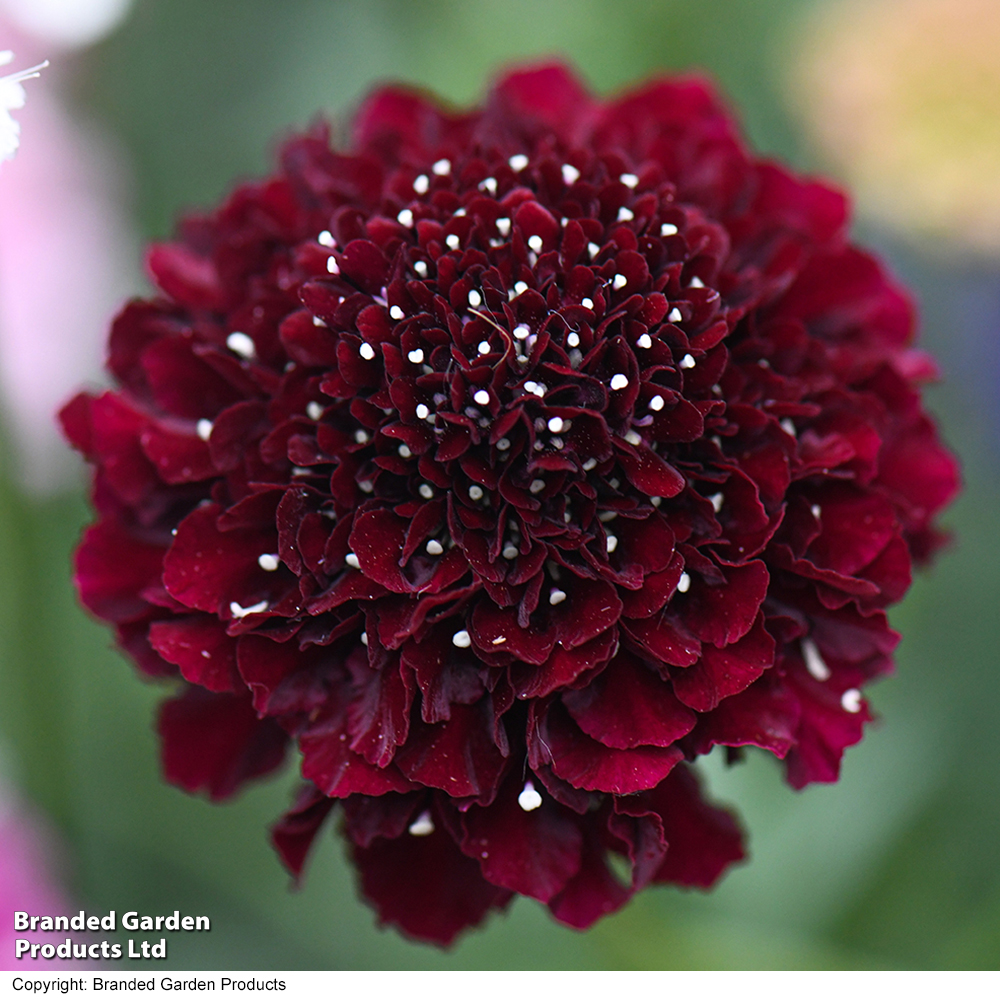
[518,162]
[788,427]
[489,185]
[620,281]
[314,410]
[462,639]
[850,700]
[668,229]
[404,451]
[645,342]
[509,552]
[687,361]
[632,437]
[268,562]
[423,825]
[590,465]
[675,315]
[529,799]
[684,583]
[204,429]
[570,174]
[556,596]
[593,250]
[352,560]
[816,511]
[326,238]
[366,351]
[426,490]
[442,168]
[453,241]
[434,547]
[717,501]
[476,492]
[503,444]
[405,218]
[587,302]
[423,412]
[815,663]
[238,611]
[535,243]
[482,397]
[396,313]
[612,543]
[619,381]
[656,403]
[416,356]
[503,226]
[420,266]
[521,331]
[625,214]
[364,638]
[629,180]
[366,486]
[499,640]
[361,437]
[556,424]
[422,184]
[475,299]
[537,485]
[332,266]
[573,340]
[241,344]
[696,282]
[520,287]
[484,347]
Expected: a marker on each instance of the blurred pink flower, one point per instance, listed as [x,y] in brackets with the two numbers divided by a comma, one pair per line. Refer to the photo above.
[66,253]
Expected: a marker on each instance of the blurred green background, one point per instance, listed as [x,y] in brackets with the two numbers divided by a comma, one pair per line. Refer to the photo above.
[897,866]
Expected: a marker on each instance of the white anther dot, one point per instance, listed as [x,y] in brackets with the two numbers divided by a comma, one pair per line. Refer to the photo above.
[537,485]
[475,299]
[434,547]
[645,342]
[619,381]
[204,429]
[518,162]
[396,313]
[364,638]
[352,560]
[484,347]
[816,511]
[482,397]
[573,340]
[814,661]
[361,437]
[687,362]
[668,229]
[590,465]
[684,583]
[423,412]
[556,596]
[238,611]
[587,302]
[476,492]
[268,562]
[556,424]
[326,238]
[332,266]
[612,543]
[570,174]
[593,250]
[656,403]
[520,287]
[422,826]
[405,218]
[442,168]
[535,243]
[787,426]
[489,185]
[529,799]
[462,639]
[629,180]
[503,226]
[422,184]
[426,490]
[241,344]
[717,501]
[420,267]
[850,701]
[632,437]
[453,241]
[366,351]
[625,214]
[696,282]
[675,315]
[416,356]
[509,552]
[619,281]
[314,410]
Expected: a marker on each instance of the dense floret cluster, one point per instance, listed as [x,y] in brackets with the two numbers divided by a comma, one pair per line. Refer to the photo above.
[504,465]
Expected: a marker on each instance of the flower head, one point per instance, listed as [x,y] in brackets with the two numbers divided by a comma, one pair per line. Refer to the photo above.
[505,464]
[12,98]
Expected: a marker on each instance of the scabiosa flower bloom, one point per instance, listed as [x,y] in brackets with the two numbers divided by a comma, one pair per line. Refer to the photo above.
[505,464]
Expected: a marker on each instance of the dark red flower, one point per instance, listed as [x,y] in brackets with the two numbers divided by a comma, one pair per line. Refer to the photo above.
[505,464]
